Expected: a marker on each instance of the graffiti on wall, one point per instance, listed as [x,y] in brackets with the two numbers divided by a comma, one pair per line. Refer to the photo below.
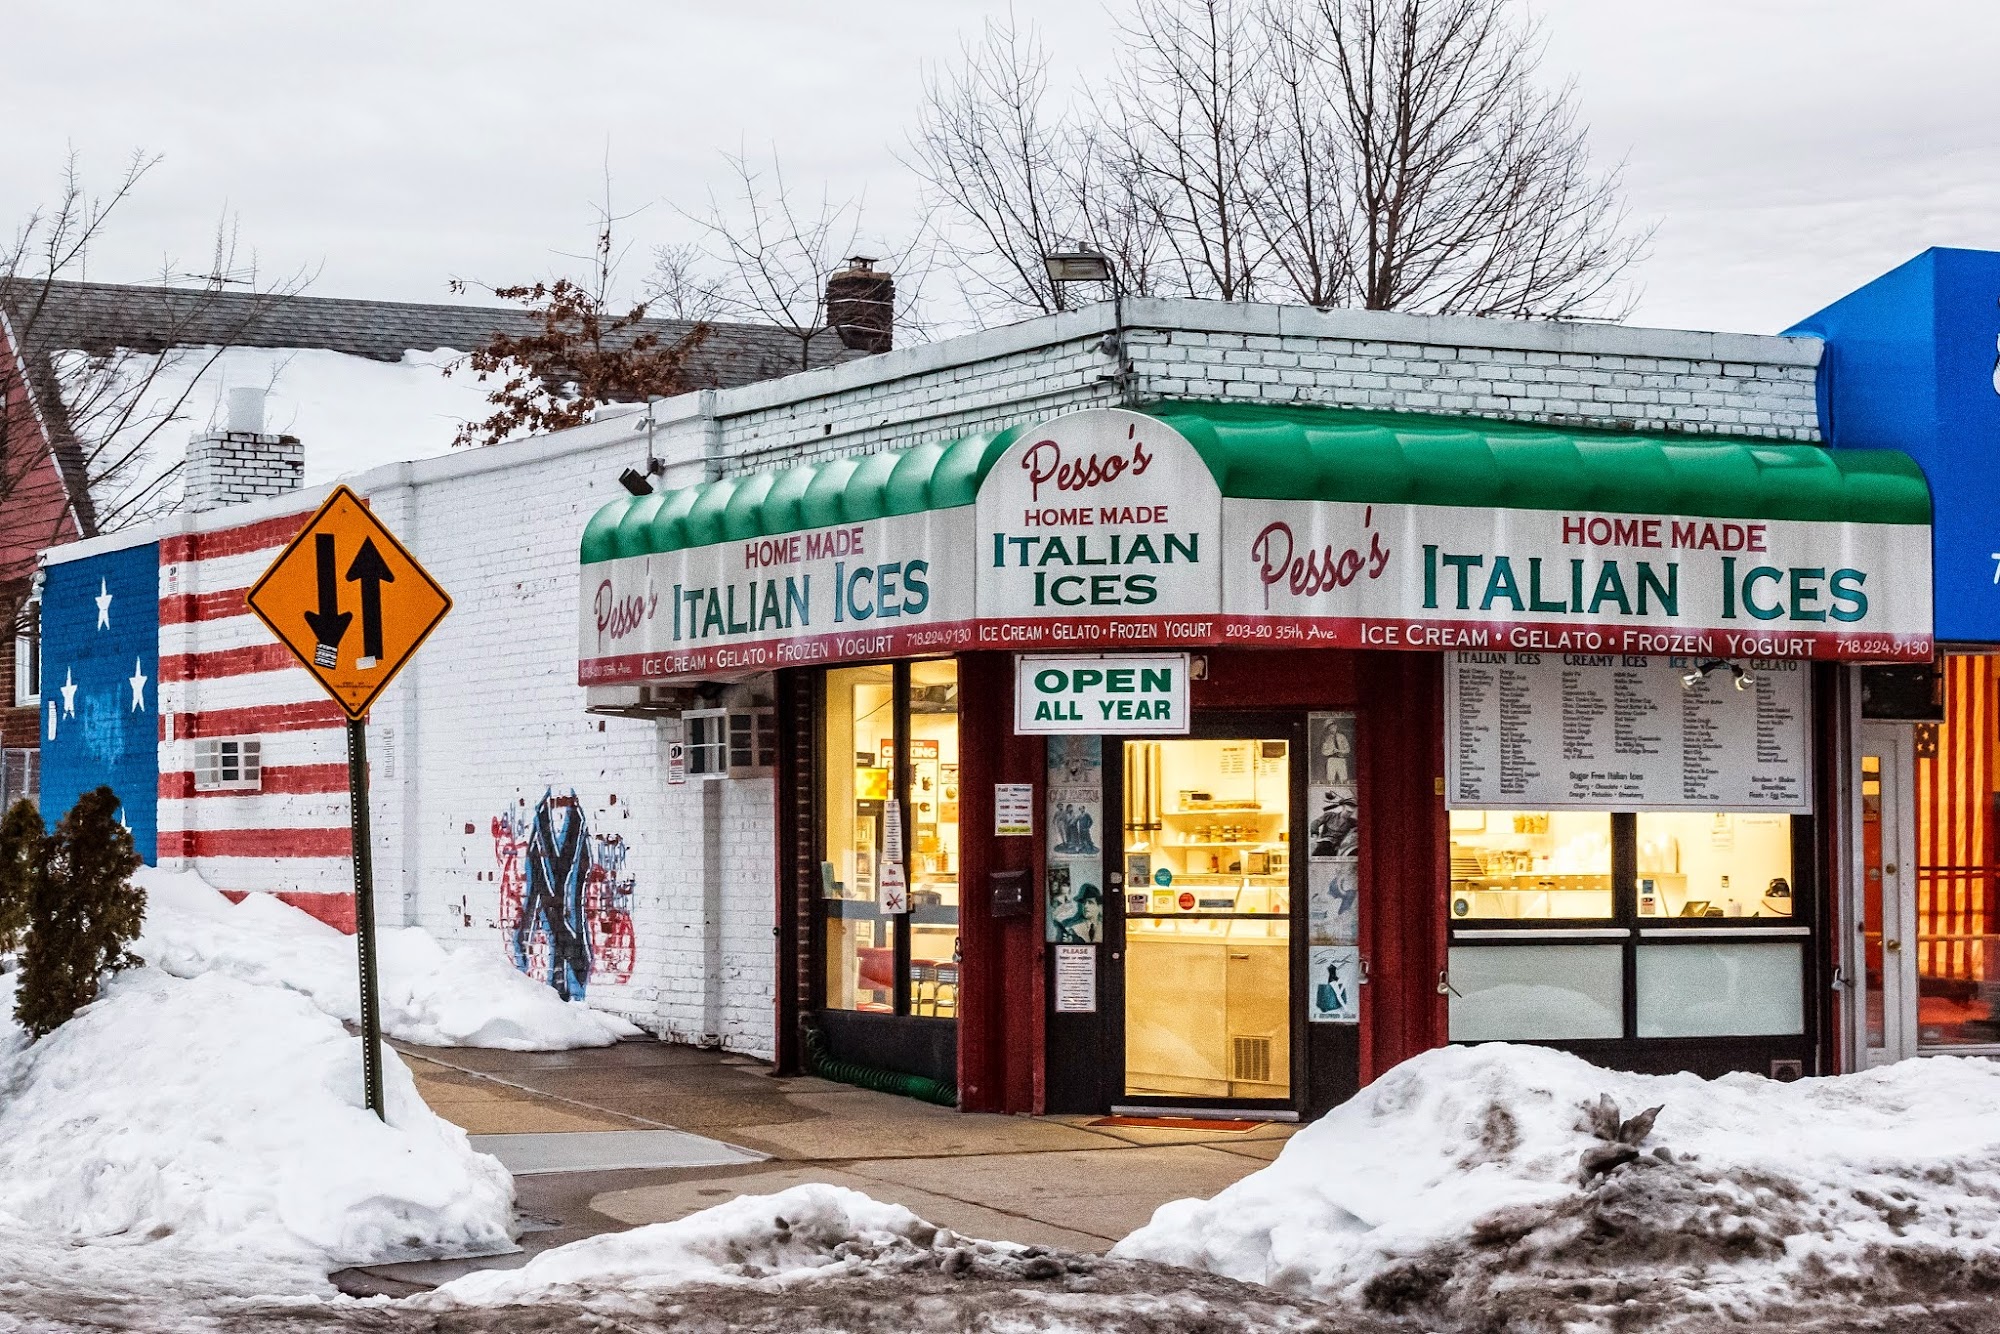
[565,896]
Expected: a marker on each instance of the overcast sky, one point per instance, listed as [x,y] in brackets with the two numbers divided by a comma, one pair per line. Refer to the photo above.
[1786,150]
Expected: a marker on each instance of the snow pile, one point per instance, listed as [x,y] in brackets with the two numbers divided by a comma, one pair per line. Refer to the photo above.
[819,1257]
[1452,1189]
[811,1230]
[430,995]
[207,1117]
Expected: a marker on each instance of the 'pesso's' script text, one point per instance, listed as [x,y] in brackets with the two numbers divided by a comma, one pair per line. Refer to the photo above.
[1045,464]
[1314,571]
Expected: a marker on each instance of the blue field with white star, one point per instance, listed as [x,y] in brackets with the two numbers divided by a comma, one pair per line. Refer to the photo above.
[100,670]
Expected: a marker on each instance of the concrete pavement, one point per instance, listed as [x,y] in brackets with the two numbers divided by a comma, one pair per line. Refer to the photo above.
[1039,1180]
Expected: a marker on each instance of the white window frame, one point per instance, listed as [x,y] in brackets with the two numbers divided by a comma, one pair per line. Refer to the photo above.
[228,764]
[28,657]
[730,743]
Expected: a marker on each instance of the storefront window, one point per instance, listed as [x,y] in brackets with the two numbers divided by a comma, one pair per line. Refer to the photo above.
[1530,993]
[933,787]
[1720,988]
[1511,865]
[870,713]
[1956,793]
[860,942]
[1706,864]
[1552,912]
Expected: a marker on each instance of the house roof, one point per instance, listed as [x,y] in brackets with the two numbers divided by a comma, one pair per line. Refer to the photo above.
[54,318]
[96,317]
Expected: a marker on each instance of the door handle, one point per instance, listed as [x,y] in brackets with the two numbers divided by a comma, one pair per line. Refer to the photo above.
[1892,945]
[1890,869]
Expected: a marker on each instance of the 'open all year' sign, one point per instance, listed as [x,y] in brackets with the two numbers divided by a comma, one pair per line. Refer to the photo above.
[349,601]
[1132,693]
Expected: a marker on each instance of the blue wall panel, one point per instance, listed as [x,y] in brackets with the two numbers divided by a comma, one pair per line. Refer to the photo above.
[100,677]
[1913,363]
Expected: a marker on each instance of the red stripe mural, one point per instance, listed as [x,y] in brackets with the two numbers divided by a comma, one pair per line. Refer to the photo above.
[1956,872]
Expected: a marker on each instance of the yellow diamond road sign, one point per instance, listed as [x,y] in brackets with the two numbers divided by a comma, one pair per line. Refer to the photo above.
[349,601]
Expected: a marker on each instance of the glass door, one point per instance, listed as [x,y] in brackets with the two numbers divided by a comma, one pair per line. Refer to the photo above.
[1208,915]
[1883,918]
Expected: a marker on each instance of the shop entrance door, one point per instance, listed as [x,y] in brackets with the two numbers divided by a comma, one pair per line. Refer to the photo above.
[1883,920]
[1208,892]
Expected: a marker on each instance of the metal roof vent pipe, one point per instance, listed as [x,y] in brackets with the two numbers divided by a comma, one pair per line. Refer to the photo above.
[244,410]
[861,306]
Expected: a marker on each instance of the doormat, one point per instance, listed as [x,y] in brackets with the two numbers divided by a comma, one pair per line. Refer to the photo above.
[1177,1123]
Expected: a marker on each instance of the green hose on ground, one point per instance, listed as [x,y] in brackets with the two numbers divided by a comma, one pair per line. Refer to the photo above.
[921,1087]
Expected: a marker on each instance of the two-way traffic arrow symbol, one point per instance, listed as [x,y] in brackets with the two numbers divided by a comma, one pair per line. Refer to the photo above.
[371,572]
[329,623]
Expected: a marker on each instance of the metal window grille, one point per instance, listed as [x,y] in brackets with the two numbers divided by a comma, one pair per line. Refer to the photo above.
[228,764]
[20,777]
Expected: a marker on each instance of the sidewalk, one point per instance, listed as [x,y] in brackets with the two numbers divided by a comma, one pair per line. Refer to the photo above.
[1055,1181]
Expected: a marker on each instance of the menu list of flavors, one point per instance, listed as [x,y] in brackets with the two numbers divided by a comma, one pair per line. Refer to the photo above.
[1545,731]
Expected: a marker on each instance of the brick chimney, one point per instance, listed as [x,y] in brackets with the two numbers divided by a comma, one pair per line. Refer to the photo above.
[241,462]
[861,306]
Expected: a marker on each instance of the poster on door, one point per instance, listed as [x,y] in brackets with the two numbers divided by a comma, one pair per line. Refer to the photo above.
[1333,982]
[1333,870]
[1333,904]
[1075,898]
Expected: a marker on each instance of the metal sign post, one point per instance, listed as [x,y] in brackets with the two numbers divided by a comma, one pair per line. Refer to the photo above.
[364,915]
[304,599]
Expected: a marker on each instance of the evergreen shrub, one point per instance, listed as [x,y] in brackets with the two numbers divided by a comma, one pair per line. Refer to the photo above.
[83,911]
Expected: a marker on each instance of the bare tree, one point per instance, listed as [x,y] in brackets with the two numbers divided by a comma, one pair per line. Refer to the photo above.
[684,286]
[1188,114]
[991,150]
[1396,154]
[770,252]
[775,250]
[91,385]
[1469,189]
[1023,177]
[581,351]
[1304,221]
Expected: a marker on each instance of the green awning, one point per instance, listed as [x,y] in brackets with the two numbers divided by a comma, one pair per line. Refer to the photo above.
[1259,451]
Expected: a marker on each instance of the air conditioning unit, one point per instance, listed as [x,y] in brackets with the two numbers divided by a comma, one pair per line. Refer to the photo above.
[730,743]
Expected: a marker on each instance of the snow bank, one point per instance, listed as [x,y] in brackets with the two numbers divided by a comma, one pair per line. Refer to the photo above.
[430,995]
[814,1231]
[1451,1189]
[210,1117]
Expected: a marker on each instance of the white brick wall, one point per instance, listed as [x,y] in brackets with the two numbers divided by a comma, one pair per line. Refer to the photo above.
[489,717]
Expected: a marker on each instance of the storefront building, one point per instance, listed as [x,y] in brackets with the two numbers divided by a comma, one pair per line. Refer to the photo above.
[1911,365]
[1180,704]
[1219,755]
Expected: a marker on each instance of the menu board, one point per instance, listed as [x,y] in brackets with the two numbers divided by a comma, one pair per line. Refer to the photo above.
[1549,731]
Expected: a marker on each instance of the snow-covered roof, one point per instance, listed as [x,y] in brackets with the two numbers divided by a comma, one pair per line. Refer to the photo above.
[361,383]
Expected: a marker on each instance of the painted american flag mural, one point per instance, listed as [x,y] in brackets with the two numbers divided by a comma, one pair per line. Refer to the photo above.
[215,674]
